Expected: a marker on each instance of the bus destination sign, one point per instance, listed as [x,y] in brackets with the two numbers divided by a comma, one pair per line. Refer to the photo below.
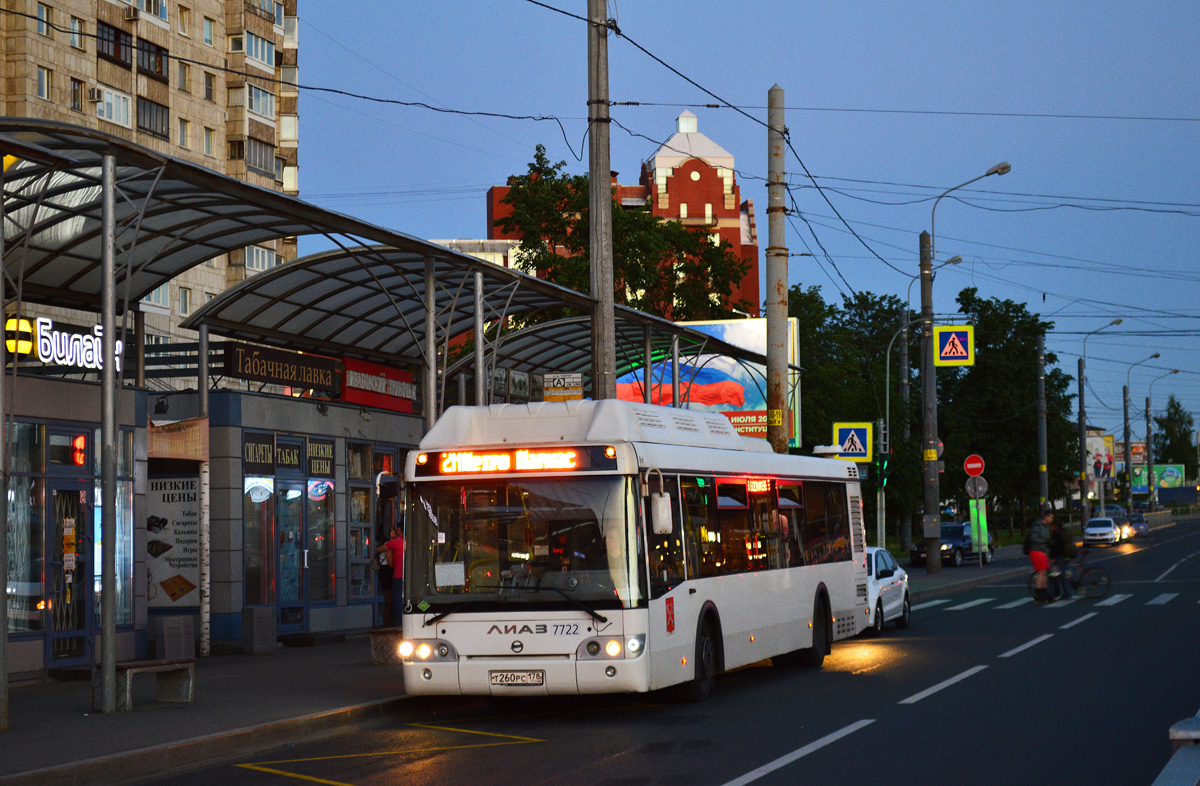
[484,462]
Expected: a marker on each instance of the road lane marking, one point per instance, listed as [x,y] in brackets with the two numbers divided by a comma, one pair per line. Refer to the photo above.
[1058,604]
[970,604]
[1073,623]
[783,761]
[1015,603]
[1027,645]
[1114,600]
[1163,599]
[945,684]
[927,604]
[1176,565]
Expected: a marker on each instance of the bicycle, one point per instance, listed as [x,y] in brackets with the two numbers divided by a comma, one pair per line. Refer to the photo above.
[1088,582]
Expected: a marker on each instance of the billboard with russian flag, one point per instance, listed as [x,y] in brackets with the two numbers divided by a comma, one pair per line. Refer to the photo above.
[718,383]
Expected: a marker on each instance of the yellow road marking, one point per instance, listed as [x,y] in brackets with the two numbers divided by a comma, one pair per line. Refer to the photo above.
[511,739]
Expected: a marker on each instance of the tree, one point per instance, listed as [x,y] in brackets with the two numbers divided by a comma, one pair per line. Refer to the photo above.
[1173,438]
[659,266]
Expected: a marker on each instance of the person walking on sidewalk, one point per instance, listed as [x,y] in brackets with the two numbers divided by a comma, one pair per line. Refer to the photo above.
[1037,546]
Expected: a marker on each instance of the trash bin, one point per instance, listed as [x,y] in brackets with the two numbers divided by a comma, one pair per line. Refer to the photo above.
[258,630]
[174,636]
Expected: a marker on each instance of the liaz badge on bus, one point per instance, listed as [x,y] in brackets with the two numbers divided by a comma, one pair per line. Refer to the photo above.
[485,462]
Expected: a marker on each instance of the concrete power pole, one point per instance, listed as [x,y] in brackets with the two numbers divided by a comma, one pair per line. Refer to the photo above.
[777,276]
[1085,507]
[604,344]
[1043,478]
[931,522]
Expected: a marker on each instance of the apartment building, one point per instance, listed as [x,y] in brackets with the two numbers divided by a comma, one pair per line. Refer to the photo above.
[202,80]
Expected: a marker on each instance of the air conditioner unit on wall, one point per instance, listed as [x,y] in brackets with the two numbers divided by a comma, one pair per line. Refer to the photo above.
[95,95]
[131,13]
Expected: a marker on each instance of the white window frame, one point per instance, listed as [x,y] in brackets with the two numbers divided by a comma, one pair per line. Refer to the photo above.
[185,301]
[183,17]
[260,258]
[159,297]
[78,30]
[259,101]
[45,83]
[259,50]
[210,31]
[185,133]
[210,140]
[116,107]
[44,19]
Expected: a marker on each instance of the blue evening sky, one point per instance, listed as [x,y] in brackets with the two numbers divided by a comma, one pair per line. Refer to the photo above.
[1095,105]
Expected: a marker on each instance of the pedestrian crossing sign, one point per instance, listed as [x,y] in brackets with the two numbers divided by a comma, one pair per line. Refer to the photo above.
[853,441]
[955,345]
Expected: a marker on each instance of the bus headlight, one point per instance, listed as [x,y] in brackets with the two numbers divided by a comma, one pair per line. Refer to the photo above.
[432,650]
[611,648]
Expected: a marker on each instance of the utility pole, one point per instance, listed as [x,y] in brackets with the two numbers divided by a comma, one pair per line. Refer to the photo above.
[1085,508]
[604,342]
[905,431]
[777,276]
[1129,455]
[1149,457]
[1043,478]
[932,519]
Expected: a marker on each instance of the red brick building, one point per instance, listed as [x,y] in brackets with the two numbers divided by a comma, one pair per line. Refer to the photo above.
[690,179]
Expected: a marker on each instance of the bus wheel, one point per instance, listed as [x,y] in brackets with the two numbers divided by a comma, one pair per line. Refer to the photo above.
[814,656]
[698,688]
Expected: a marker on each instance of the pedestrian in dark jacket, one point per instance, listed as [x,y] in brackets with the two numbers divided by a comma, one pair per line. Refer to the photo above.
[1062,550]
[1037,544]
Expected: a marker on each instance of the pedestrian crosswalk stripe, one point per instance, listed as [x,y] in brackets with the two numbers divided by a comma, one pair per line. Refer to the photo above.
[1163,599]
[970,604]
[1015,603]
[929,603]
[1058,604]
[1114,600]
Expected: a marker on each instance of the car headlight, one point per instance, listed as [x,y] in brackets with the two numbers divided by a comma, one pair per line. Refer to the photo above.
[945,547]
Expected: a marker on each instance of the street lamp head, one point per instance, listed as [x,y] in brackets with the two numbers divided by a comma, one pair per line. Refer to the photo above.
[1003,168]
[1174,371]
[1156,355]
[954,260]
[1116,321]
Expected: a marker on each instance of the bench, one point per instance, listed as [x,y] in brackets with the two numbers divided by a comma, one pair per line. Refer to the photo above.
[174,681]
[385,646]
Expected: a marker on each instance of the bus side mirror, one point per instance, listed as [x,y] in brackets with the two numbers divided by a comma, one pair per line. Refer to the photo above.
[660,512]
[386,486]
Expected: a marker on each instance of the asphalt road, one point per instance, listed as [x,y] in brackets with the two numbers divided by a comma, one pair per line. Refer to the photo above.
[985,688]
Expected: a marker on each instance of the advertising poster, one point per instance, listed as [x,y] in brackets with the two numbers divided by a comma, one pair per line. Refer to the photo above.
[717,383]
[1100,455]
[1166,476]
[173,542]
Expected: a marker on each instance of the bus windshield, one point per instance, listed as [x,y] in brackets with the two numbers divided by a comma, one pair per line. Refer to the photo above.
[522,541]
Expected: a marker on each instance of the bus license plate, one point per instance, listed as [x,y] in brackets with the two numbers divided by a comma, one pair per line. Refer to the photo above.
[517,677]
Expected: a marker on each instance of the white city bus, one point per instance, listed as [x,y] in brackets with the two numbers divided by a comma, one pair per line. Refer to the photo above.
[609,546]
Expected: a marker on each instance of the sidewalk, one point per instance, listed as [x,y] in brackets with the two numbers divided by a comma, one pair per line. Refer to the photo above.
[242,703]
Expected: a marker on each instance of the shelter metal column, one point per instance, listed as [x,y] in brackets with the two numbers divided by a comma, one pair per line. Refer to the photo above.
[675,371]
[647,367]
[430,346]
[205,507]
[108,439]
[480,381]
[3,494]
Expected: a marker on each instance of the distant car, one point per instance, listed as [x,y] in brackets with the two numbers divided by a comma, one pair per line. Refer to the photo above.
[1101,531]
[887,591]
[1141,505]
[1137,523]
[1112,510]
[956,546]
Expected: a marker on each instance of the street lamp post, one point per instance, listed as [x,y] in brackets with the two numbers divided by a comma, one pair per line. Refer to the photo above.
[1150,441]
[1084,506]
[931,520]
[1128,446]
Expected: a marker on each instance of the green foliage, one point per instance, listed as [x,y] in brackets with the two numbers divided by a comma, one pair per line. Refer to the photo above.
[659,266]
[1173,438]
[989,408]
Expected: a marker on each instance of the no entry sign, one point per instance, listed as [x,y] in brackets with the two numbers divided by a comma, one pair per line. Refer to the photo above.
[973,465]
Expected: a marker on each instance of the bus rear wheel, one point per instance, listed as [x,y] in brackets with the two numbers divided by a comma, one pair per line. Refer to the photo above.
[814,656]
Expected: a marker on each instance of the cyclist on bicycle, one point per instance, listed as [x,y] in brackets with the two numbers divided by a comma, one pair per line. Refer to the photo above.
[1062,551]
[1037,544]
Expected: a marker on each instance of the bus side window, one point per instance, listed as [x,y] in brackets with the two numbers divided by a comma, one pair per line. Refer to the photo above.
[791,511]
[702,548]
[734,533]
[666,551]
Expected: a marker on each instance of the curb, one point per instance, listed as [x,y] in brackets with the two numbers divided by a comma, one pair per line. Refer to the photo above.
[162,760]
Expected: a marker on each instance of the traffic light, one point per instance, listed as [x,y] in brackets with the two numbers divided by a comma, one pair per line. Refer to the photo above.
[884,468]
